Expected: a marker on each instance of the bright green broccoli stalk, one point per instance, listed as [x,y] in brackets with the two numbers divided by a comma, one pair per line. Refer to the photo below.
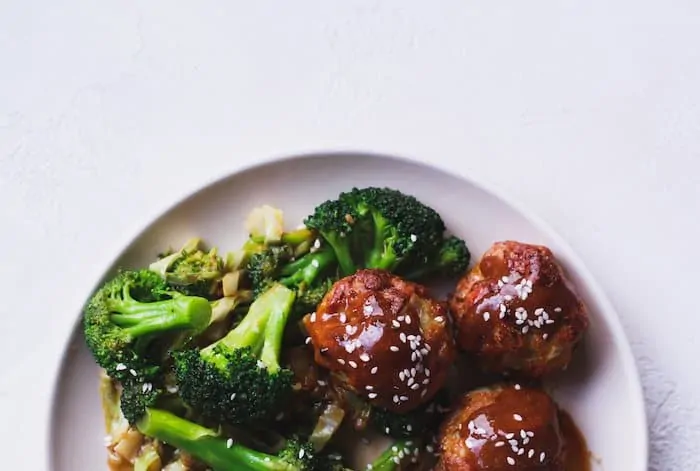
[239,378]
[219,453]
[129,314]
[397,456]
[381,228]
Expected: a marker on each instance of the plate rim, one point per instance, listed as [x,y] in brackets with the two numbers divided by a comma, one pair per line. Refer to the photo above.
[598,292]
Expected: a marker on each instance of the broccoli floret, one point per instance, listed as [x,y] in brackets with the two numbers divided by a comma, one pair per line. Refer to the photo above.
[219,453]
[129,314]
[310,275]
[378,228]
[334,221]
[239,377]
[396,455]
[137,396]
[192,271]
[452,259]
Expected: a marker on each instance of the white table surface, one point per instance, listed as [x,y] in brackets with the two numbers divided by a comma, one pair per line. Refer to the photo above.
[587,111]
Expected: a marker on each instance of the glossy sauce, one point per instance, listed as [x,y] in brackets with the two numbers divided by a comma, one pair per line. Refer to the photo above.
[384,338]
[578,457]
[517,312]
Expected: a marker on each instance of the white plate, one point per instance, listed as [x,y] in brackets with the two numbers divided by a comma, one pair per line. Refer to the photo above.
[602,391]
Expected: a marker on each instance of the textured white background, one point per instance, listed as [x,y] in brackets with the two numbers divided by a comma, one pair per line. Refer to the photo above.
[586,111]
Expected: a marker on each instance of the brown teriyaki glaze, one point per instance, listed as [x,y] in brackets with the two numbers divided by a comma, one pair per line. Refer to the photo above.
[516,312]
[504,427]
[383,338]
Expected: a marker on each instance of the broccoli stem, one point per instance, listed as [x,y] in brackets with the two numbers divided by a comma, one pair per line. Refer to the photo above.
[341,247]
[295,237]
[381,256]
[306,269]
[141,319]
[206,445]
[274,332]
[393,456]
[254,330]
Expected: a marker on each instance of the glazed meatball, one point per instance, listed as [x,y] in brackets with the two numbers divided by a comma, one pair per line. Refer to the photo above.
[517,313]
[505,427]
[383,338]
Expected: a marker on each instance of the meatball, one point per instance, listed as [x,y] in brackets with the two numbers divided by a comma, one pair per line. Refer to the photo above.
[516,312]
[383,338]
[503,428]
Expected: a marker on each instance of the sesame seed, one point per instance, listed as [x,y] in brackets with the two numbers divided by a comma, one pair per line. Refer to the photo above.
[521,451]
[308,340]
[518,417]
[400,318]
[508,297]
[509,435]
[409,428]
[439,319]
[343,318]
[510,461]
[396,460]
[530,453]
[133,372]
[395,399]
[424,351]
[427,372]
[523,434]
[350,347]
[525,329]
[408,319]
[549,321]
[395,323]
[429,448]
[312,318]
[315,263]
[373,370]
[499,444]
[487,316]
[341,361]
[394,348]
[402,336]
[414,237]
[120,367]
[404,398]
[364,357]
[402,376]
[410,382]
[324,350]
[423,393]
[539,311]
[233,396]
[517,387]
[350,329]
[301,453]
[369,388]
[426,381]
[372,395]
[413,371]
[542,455]
[229,443]
[557,309]
[544,336]
[352,364]
[415,386]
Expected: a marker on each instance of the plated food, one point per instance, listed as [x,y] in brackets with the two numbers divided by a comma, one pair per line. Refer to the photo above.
[304,345]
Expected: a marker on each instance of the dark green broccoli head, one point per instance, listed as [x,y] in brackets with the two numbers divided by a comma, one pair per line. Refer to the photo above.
[194,272]
[239,378]
[298,456]
[129,314]
[136,396]
[230,385]
[379,228]
[450,260]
